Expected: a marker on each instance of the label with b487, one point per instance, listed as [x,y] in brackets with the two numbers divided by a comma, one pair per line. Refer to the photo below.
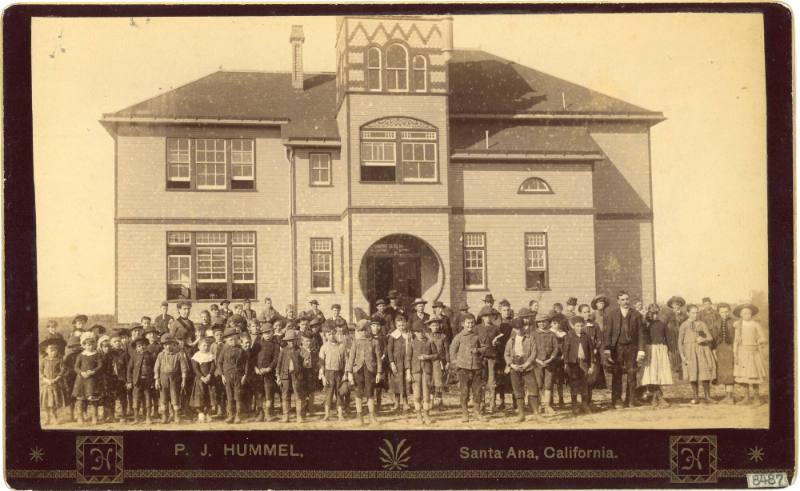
[767,480]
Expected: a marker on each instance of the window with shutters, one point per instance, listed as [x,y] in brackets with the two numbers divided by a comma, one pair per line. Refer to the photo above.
[474,261]
[536,261]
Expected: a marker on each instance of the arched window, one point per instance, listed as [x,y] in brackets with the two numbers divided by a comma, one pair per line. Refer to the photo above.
[397,68]
[374,69]
[420,67]
[534,185]
[399,149]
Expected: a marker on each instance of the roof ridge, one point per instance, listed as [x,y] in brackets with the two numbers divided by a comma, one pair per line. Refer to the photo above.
[287,72]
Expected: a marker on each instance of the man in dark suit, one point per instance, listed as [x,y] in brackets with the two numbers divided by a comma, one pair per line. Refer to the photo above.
[624,347]
[416,321]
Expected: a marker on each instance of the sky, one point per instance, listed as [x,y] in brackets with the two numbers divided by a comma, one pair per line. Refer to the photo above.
[705,72]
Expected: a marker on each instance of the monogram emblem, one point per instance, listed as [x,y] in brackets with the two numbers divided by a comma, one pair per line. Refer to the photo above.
[98,459]
[693,458]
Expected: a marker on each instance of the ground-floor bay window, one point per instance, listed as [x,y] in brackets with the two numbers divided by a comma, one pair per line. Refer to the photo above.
[211,265]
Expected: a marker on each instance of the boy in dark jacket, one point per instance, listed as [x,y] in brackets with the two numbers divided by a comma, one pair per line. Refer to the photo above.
[547,351]
[290,376]
[578,363]
[520,359]
[419,369]
[233,366]
[140,376]
[266,361]
[118,374]
[440,366]
[488,332]
[363,368]
[466,352]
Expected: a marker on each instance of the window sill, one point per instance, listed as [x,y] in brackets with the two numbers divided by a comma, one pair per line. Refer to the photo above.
[320,185]
[178,190]
[322,292]
[476,290]
[407,183]
[537,289]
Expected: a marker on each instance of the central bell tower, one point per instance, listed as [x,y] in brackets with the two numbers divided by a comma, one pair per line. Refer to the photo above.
[393,54]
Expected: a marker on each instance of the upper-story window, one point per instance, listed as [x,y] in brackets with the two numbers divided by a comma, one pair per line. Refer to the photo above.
[210,163]
[420,68]
[397,68]
[374,69]
[399,150]
[319,169]
[534,185]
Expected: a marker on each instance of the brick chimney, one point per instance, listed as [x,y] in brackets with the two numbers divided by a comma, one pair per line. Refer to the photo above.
[297,38]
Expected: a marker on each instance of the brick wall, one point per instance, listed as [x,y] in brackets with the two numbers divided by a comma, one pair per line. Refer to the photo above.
[570,257]
[432,110]
[141,184]
[142,268]
[625,258]
[492,184]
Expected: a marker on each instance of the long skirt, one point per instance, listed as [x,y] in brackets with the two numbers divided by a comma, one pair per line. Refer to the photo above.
[750,367]
[657,366]
[598,379]
[700,364]
[725,364]
[53,396]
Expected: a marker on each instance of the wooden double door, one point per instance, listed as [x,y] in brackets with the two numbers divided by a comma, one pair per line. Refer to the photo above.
[396,272]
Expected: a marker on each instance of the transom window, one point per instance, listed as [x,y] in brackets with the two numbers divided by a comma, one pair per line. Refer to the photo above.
[397,68]
[322,265]
[211,265]
[210,163]
[474,260]
[534,185]
[320,169]
[536,261]
[407,153]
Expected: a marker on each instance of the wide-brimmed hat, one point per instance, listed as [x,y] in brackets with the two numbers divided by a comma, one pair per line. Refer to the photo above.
[676,298]
[149,330]
[122,331]
[572,301]
[525,312]
[599,298]
[81,318]
[438,305]
[225,301]
[313,301]
[739,308]
[167,338]
[86,336]
[486,311]
[136,342]
[418,301]
[229,331]
[135,325]
[380,301]
[545,318]
[432,320]
[518,323]
[392,294]
[74,342]
[57,342]
[488,298]
[99,329]
[289,335]
[504,302]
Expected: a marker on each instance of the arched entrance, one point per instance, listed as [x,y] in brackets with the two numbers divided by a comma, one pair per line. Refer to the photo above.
[404,263]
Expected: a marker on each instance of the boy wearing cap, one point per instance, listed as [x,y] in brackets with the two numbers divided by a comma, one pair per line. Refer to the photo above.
[466,352]
[139,377]
[572,303]
[490,336]
[311,380]
[233,363]
[418,319]
[501,377]
[444,321]
[363,369]
[171,369]
[376,331]
[162,320]
[332,357]
[381,315]
[394,308]
[248,312]
[79,324]
[224,309]
[579,364]
[314,310]
[519,355]
[216,350]
[396,347]
[419,370]
[265,363]
[290,376]
[336,310]
[441,364]
[117,361]
[547,350]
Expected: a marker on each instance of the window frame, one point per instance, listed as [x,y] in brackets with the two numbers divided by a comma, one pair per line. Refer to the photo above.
[311,181]
[424,71]
[378,69]
[484,269]
[228,246]
[171,163]
[548,189]
[399,137]
[329,254]
[546,249]
[396,72]
[231,183]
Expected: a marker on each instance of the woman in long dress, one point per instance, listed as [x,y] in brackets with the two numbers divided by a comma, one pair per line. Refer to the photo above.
[694,342]
[749,342]
[657,366]
[675,318]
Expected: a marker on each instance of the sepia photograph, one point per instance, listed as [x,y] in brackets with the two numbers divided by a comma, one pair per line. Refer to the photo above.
[394,222]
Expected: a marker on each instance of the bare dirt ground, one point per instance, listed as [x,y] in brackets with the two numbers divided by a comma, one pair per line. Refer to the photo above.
[680,415]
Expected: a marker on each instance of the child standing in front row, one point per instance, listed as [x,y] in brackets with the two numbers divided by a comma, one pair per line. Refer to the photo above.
[440,366]
[233,363]
[52,392]
[73,350]
[332,359]
[171,370]
[578,364]
[203,397]
[140,379]
[87,388]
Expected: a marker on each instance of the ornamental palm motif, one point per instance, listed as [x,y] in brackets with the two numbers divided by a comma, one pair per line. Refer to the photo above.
[395,458]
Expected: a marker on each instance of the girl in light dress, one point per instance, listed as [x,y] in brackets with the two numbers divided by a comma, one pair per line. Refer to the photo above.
[749,346]
[657,366]
[699,366]
[53,392]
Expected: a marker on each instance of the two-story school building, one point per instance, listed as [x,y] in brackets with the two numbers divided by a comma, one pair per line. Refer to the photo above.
[439,172]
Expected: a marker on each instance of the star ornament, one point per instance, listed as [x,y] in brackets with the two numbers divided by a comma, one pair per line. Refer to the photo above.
[36,454]
[756,454]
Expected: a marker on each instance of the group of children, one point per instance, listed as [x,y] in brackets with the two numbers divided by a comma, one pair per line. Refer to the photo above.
[234,364]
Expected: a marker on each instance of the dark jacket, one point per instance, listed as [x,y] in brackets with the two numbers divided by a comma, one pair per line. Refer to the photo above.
[570,349]
[234,362]
[141,366]
[425,348]
[396,351]
[415,323]
[267,356]
[161,323]
[488,335]
[365,352]
[528,352]
[461,351]
[286,355]
[614,334]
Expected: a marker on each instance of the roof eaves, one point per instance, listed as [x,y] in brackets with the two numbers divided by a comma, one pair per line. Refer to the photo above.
[526,156]
[111,118]
[652,117]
